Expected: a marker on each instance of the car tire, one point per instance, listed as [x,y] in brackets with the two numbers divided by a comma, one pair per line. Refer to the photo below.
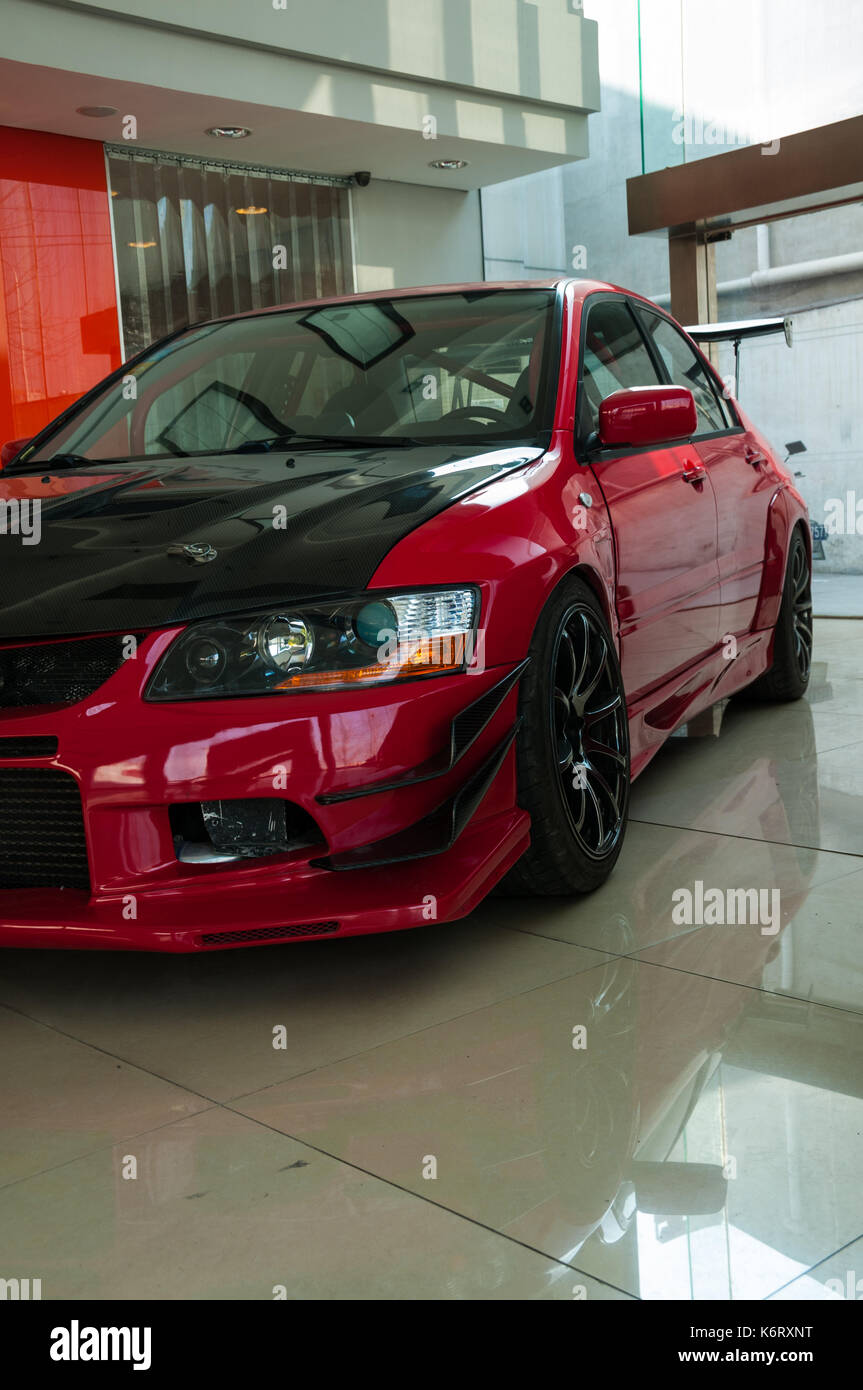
[788,677]
[572,750]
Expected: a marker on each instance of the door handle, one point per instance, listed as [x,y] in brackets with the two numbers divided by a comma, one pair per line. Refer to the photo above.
[695,476]
[752,456]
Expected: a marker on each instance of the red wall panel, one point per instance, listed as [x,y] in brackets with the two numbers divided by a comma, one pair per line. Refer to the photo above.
[58,310]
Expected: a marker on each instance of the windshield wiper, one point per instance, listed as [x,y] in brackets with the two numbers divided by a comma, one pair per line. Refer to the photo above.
[327,441]
[65,461]
[75,460]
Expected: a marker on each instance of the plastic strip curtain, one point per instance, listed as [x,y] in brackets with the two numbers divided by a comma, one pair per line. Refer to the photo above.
[196,241]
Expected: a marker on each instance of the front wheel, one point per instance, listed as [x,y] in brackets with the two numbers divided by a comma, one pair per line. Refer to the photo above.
[573,750]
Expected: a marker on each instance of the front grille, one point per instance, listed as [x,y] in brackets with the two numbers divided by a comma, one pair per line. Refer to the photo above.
[228,938]
[42,747]
[42,843]
[49,673]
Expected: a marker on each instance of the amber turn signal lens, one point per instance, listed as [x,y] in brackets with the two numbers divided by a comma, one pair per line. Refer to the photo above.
[433,657]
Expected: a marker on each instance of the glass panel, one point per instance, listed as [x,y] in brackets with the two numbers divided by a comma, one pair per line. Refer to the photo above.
[685,369]
[452,367]
[197,243]
[58,318]
[614,358]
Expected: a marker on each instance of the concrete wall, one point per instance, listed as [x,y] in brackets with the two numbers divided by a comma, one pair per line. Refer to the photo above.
[338,85]
[813,393]
[539,50]
[525,228]
[408,235]
[574,221]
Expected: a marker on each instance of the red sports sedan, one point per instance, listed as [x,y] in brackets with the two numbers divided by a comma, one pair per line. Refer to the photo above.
[327,619]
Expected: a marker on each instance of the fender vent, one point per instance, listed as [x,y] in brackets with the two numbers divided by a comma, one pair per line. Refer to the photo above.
[242,938]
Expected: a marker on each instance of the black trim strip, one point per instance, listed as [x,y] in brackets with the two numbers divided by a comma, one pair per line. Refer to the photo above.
[433,835]
[29,747]
[462,737]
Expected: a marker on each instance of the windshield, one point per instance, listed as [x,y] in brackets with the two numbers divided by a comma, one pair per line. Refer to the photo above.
[466,367]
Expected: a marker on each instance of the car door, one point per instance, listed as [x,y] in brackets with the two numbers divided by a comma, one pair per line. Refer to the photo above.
[742,481]
[662,511]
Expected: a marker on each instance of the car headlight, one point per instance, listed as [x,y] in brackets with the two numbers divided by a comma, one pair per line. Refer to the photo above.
[365,640]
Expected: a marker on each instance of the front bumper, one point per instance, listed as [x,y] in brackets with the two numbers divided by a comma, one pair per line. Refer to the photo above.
[132,760]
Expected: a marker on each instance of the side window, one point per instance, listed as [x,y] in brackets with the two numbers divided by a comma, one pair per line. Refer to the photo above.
[686,369]
[614,356]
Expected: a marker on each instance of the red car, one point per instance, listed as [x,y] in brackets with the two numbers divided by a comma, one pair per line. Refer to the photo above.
[326,619]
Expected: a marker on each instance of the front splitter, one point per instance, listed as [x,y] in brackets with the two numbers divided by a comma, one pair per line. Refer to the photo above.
[441,888]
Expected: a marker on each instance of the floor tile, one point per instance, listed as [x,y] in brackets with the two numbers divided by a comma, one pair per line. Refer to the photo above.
[817,953]
[62,1099]
[764,777]
[840,1277]
[706,1142]
[635,909]
[224,1209]
[207,1022]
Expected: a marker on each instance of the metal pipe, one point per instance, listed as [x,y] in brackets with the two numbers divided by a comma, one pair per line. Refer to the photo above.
[786,274]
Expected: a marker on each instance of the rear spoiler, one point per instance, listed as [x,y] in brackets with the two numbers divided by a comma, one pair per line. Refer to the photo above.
[738,332]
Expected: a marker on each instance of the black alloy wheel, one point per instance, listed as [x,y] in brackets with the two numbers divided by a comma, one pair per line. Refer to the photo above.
[788,677]
[573,749]
[801,587]
[589,717]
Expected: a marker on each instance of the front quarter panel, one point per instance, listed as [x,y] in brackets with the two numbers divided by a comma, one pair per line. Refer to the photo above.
[516,538]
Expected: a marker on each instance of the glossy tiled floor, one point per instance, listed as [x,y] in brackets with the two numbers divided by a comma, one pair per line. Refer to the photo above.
[429,1129]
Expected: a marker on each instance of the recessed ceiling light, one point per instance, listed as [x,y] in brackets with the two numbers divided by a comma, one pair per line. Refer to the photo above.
[249,212]
[141,245]
[448,164]
[229,132]
[96,111]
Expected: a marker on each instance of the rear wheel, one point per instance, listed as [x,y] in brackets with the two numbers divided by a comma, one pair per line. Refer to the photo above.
[788,677]
[573,750]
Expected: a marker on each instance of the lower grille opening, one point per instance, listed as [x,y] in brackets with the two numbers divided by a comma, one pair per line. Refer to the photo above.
[227,938]
[41,747]
[42,842]
[213,832]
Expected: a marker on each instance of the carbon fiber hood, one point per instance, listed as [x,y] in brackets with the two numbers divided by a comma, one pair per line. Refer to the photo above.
[270,529]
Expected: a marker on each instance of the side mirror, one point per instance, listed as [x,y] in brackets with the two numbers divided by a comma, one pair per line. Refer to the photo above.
[643,416]
[11,450]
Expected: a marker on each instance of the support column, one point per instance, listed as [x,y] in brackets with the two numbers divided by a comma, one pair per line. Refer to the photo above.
[692,272]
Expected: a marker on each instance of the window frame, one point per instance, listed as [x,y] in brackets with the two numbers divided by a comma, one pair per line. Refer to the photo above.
[713,378]
[584,455]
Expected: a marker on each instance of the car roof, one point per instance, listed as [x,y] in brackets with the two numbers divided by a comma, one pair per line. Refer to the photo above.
[581,288]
